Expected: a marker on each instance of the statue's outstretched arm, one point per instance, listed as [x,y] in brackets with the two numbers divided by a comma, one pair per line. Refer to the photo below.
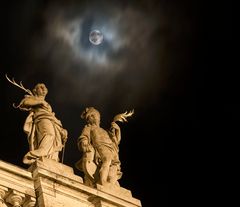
[115,132]
[32,101]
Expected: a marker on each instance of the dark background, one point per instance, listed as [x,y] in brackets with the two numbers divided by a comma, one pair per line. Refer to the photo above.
[171,76]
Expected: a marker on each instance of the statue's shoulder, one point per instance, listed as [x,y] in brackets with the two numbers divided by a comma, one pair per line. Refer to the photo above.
[29,97]
[86,129]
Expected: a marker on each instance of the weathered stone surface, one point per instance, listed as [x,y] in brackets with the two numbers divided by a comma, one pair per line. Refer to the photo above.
[45,133]
[16,178]
[100,160]
[51,184]
[16,186]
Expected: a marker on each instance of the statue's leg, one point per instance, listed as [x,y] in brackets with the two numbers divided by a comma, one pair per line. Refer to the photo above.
[45,138]
[112,175]
[104,170]
[54,156]
[106,158]
[115,171]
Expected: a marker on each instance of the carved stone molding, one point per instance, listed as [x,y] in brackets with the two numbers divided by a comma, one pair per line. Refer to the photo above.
[51,184]
[15,198]
[30,202]
[3,192]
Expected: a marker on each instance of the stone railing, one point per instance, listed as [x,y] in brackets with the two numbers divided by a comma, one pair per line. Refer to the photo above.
[16,186]
[50,184]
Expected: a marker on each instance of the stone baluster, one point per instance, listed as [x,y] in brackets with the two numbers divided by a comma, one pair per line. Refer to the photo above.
[30,202]
[15,198]
[3,192]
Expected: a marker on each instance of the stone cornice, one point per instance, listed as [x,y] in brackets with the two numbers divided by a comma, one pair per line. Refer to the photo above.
[51,184]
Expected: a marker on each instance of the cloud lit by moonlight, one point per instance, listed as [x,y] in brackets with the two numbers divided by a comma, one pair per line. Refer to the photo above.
[128,59]
[123,35]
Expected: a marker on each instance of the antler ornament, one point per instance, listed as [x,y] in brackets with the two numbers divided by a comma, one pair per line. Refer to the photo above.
[20,85]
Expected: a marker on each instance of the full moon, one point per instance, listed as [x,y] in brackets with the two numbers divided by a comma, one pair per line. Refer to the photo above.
[96,37]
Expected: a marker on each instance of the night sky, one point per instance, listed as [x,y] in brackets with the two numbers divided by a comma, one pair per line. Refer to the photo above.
[156,58]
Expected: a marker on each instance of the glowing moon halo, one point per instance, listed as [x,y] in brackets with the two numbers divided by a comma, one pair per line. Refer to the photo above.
[96,37]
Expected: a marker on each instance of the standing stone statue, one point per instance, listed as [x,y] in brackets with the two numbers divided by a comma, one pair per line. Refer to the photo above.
[100,161]
[45,133]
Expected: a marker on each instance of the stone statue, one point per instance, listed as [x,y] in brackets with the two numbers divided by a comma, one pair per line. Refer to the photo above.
[100,161]
[45,133]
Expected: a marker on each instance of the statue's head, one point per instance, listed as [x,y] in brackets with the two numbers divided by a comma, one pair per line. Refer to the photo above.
[40,90]
[91,115]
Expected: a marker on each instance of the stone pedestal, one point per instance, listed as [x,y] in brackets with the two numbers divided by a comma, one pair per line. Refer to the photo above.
[50,184]
[57,186]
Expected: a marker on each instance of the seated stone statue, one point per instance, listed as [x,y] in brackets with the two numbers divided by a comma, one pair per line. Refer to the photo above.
[45,133]
[100,161]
